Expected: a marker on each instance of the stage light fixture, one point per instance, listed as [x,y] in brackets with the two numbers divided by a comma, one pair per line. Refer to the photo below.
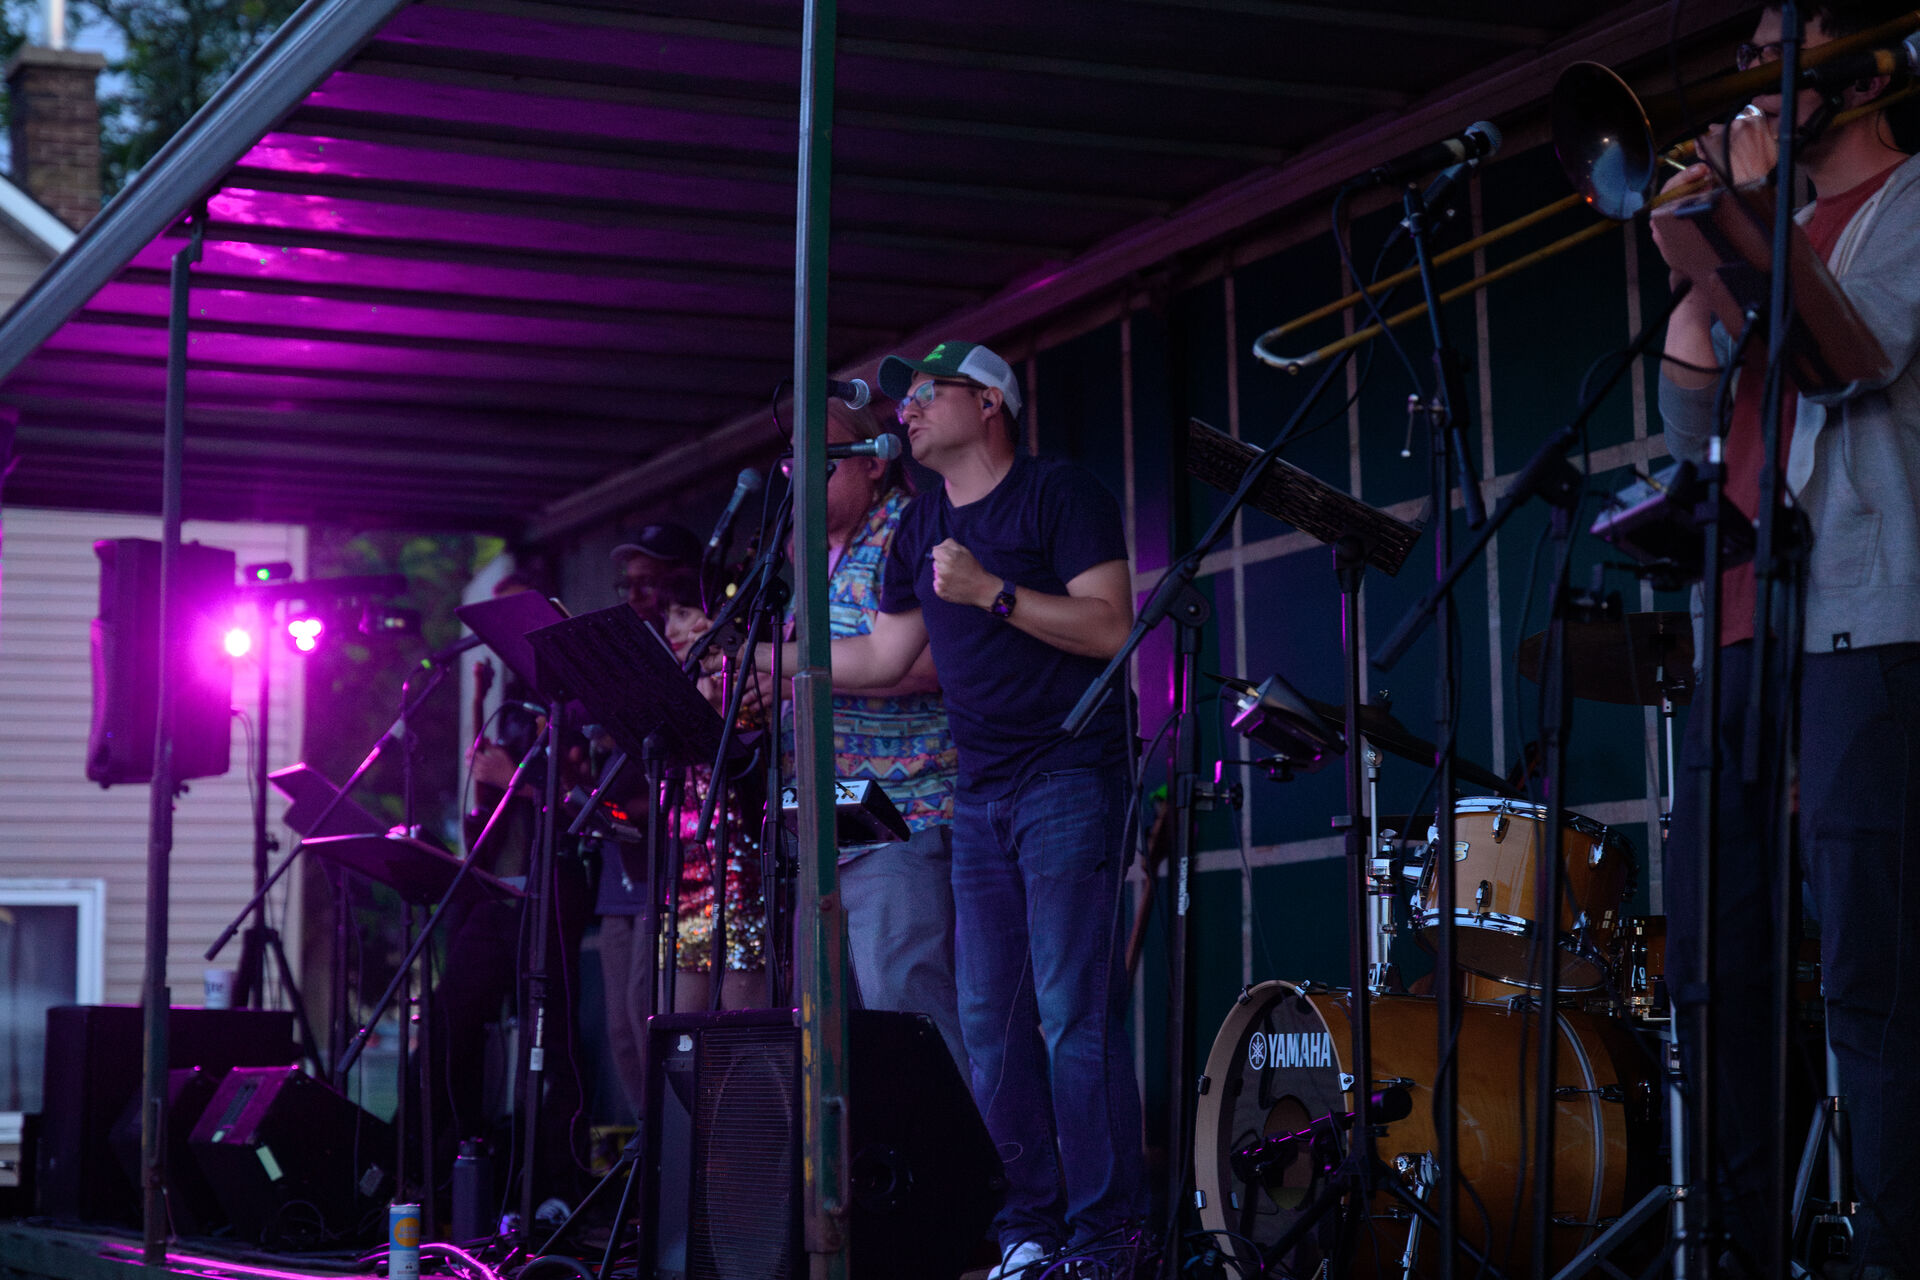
[238,641]
[305,632]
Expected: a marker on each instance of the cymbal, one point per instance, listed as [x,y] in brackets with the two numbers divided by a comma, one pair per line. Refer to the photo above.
[1622,660]
[1379,727]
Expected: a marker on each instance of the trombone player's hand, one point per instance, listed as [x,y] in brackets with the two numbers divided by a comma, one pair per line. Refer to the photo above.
[1745,150]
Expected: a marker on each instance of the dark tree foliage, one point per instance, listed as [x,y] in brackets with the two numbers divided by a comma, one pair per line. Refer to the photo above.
[178,52]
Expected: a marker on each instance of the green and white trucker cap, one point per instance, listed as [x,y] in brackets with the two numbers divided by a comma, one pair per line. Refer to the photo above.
[953,360]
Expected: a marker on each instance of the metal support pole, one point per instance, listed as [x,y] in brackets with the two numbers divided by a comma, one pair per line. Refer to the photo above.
[1768,750]
[155,995]
[1449,402]
[822,962]
[253,969]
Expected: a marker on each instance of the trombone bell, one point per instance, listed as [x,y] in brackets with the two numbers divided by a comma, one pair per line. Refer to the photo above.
[1604,141]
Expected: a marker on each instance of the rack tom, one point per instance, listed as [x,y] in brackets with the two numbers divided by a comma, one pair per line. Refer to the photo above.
[1496,852]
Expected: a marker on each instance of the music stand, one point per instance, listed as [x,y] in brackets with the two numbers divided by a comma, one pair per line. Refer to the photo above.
[1359,535]
[503,624]
[419,872]
[313,796]
[617,666]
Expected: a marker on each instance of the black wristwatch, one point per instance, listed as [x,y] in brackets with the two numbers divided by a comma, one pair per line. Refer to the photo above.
[1003,603]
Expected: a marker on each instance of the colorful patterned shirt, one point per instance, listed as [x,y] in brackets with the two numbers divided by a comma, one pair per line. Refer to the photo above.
[901,742]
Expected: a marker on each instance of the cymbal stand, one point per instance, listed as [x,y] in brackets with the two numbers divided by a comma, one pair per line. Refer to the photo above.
[1549,475]
[1359,1174]
[1821,1229]
[1556,714]
[1671,1193]
[1382,886]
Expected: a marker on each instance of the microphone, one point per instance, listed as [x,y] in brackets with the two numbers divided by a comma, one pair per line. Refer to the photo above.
[854,395]
[884,447]
[1476,142]
[453,650]
[744,487]
[1837,73]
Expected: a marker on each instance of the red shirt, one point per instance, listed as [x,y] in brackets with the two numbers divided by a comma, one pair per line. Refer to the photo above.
[1738,587]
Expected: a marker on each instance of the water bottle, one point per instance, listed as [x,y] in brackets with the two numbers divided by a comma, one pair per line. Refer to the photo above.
[472,1192]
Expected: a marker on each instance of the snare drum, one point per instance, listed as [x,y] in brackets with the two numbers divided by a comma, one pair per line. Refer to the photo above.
[1496,847]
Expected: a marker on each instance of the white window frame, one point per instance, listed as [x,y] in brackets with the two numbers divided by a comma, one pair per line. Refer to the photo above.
[89,897]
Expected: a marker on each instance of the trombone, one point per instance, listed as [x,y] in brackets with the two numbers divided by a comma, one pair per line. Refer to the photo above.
[1606,139]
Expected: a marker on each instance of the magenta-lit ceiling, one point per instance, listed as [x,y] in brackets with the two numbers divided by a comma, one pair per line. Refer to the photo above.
[468,260]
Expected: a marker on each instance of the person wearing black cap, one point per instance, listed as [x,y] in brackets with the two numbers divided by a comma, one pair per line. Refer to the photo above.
[1014,569]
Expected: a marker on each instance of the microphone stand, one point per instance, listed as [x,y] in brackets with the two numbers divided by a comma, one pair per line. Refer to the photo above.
[1175,597]
[1445,414]
[1552,478]
[762,594]
[1779,579]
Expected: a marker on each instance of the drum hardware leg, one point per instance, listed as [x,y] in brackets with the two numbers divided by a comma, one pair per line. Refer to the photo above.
[1423,1173]
[1822,1230]
[1666,729]
[1481,898]
[1623,1227]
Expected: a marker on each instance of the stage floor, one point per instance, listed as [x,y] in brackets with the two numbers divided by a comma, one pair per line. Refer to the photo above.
[27,1250]
[51,1253]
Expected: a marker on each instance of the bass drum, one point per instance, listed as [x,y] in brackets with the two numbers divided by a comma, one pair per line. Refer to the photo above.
[1282,1059]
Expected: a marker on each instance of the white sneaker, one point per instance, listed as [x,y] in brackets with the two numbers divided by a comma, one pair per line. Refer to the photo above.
[1018,1259]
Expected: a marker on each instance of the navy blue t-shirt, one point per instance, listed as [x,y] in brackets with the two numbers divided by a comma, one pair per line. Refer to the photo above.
[1042,526]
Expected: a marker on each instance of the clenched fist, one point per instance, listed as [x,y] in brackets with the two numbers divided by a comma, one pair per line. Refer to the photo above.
[959,579]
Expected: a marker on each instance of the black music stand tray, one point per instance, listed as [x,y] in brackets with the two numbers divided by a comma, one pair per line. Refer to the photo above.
[419,872]
[504,623]
[617,666]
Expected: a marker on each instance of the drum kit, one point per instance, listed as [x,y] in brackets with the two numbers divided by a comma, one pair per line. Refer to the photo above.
[1279,1082]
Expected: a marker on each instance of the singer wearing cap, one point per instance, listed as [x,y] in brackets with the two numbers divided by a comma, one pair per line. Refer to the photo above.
[1850,459]
[898,896]
[1014,571]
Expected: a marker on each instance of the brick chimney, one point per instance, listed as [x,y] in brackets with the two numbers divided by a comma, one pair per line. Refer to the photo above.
[55,129]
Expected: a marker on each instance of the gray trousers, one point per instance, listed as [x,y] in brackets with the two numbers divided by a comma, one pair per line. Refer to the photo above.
[625,986]
[899,903]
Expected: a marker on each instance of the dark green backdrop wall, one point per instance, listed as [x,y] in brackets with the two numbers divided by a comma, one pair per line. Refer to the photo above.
[1270,895]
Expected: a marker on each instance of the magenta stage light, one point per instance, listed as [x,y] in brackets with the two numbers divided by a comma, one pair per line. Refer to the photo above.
[238,642]
[305,633]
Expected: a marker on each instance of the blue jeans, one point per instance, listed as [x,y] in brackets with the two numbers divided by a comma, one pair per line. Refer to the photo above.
[1860,839]
[1860,847]
[1040,958]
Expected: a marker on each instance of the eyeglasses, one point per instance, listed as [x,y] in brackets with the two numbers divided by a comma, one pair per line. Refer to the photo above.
[1748,56]
[923,394]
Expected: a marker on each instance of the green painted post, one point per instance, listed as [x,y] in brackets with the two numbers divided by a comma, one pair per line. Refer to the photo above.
[821,967]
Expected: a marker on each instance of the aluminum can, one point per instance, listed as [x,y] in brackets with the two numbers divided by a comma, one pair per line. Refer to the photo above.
[403,1242]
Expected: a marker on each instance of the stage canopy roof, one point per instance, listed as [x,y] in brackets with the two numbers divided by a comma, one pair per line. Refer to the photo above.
[522,264]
